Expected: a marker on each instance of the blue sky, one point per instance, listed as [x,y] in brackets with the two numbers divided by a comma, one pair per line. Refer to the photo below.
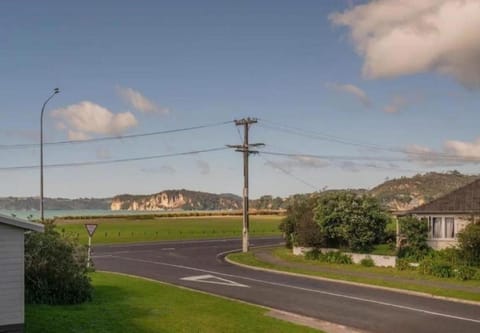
[305,69]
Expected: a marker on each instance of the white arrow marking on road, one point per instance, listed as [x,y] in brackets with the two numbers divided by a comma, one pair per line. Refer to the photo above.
[213,279]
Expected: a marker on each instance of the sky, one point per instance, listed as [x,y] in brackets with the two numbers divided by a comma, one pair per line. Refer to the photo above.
[347,94]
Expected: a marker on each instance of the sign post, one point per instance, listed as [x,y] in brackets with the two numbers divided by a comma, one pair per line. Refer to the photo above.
[91,230]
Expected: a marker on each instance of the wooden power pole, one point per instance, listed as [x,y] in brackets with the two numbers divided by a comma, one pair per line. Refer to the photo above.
[245,148]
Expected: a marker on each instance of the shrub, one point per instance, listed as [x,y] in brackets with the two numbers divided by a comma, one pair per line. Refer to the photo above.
[469,242]
[416,233]
[299,227]
[442,269]
[464,273]
[336,257]
[313,254]
[425,266]
[451,255]
[476,276]
[55,269]
[404,265]
[350,220]
[436,266]
[367,262]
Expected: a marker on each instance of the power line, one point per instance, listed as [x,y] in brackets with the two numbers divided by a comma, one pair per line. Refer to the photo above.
[344,158]
[143,158]
[332,138]
[119,137]
[288,173]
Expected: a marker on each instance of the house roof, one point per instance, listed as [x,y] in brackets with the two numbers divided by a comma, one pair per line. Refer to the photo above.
[465,200]
[21,224]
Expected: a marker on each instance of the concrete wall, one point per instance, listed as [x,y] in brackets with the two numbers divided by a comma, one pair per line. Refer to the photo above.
[11,278]
[382,261]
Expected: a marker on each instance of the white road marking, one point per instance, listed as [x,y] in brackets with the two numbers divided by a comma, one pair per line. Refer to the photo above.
[208,278]
[355,298]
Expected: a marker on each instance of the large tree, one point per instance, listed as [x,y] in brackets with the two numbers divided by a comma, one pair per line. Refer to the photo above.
[349,220]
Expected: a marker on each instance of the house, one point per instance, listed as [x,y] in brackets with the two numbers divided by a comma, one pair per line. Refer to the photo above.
[12,261]
[450,214]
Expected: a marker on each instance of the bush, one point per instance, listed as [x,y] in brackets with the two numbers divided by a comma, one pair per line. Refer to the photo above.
[404,265]
[348,220]
[331,257]
[476,276]
[55,269]
[416,233]
[442,269]
[299,227]
[367,262]
[436,267]
[469,242]
[464,273]
[313,254]
[336,257]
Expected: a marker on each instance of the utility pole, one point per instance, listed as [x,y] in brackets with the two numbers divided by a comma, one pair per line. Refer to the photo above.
[245,149]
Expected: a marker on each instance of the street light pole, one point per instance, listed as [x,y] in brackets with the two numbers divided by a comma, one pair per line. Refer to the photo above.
[55,91]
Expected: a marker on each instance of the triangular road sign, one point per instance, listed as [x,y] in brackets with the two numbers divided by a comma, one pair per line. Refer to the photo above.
[91,228]
[214,280]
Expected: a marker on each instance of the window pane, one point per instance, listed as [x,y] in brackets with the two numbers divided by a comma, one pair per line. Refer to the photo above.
[449,227]
[437,227]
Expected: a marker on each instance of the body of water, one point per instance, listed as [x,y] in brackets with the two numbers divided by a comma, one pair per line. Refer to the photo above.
[35,214]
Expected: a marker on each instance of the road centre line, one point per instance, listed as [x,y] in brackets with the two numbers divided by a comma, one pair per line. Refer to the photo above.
[360,299]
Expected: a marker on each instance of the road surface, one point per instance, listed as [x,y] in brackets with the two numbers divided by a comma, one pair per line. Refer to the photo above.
[200,265]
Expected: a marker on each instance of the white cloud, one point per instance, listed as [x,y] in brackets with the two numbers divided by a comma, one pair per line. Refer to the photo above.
[411,36]
[353,90]
[86,118]
[204,167]
[398,103]
[139,102]
[453,152]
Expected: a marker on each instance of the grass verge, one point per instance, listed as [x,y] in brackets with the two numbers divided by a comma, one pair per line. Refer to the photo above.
[127,230]
[126,304]
[377,276]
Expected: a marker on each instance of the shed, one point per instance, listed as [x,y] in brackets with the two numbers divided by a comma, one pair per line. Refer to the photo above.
[12,266]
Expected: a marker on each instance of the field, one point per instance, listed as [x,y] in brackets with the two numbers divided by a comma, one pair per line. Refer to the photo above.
[125,304]
[148,228]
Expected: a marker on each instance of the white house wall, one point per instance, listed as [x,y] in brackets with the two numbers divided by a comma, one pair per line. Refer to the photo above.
[11,276]
[460,222]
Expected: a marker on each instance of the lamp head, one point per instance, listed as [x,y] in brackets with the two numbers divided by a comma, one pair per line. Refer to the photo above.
[56,91]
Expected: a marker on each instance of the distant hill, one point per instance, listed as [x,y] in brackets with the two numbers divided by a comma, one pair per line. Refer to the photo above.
[408,192]
[176,199]
[33,203]
[397,194]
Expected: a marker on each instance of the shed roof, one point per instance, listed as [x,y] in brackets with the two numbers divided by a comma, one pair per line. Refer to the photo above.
[21,224]
[465,200]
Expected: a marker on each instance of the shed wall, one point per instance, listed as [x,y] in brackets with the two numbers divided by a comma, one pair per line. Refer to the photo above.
[11,276]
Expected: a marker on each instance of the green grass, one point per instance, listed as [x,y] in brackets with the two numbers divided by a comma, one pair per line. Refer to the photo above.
[128,230]
[410,280]
[125,304]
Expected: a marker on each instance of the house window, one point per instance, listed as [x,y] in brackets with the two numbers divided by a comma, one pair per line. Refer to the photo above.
[449,227]
[437,227]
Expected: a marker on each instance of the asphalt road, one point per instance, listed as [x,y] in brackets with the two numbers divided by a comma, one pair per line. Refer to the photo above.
[200,265]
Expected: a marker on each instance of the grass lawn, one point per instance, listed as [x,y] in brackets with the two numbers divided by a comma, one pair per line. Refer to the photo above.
[126,304]
[380,276]
[128,230]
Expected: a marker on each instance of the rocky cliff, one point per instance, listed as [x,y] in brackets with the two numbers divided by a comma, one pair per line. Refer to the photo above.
[176,199]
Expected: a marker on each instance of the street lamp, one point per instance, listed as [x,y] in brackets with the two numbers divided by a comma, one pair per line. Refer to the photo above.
[55,91]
